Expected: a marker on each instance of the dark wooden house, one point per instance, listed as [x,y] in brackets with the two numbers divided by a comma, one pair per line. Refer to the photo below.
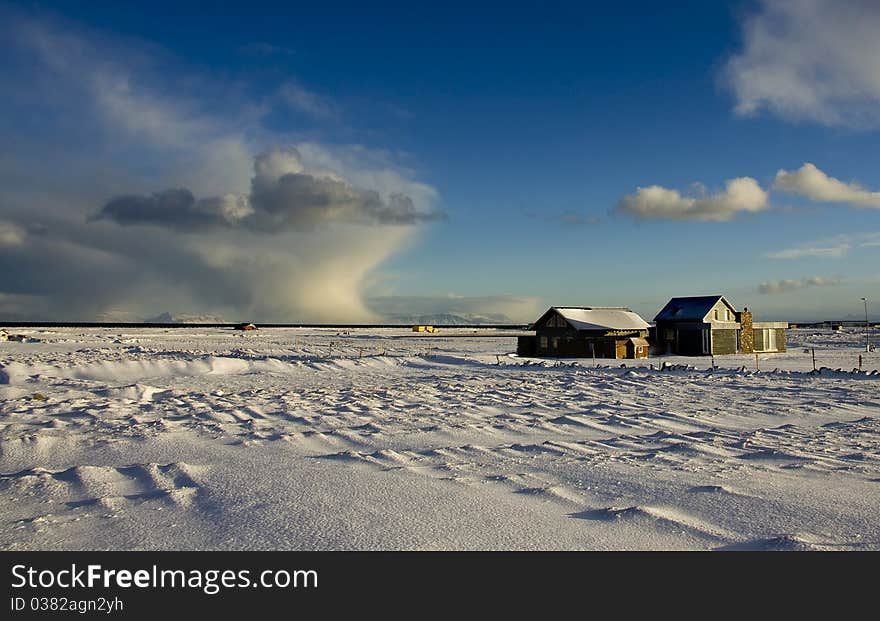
[703,325]
[584,331]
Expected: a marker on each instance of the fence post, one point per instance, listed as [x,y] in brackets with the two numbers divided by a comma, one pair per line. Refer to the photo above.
[860,362]
[330,351]
[814,358]
[757,368]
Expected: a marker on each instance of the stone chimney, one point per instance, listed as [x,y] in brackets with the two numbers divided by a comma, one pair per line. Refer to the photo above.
[746,332]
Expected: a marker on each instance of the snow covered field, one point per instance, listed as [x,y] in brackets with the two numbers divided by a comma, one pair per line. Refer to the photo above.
[215,439]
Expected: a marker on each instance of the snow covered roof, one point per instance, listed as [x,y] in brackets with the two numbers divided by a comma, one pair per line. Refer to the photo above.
[690,309]
[588,318]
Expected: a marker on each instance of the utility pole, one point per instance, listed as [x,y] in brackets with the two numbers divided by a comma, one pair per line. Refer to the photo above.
[867,346]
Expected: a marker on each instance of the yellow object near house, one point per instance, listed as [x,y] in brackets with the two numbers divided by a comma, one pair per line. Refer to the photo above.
[423,329]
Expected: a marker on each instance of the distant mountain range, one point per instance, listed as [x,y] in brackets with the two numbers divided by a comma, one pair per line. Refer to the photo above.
[431,319]
[451,319]
[169,318]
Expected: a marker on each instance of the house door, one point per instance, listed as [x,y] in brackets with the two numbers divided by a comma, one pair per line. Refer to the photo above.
[707,341]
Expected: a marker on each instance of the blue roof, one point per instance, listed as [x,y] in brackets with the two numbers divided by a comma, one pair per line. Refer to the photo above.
[689,309]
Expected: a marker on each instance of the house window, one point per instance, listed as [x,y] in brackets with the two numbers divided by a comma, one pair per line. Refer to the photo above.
[726,314]
[716,314]
[544,343]
[765,339]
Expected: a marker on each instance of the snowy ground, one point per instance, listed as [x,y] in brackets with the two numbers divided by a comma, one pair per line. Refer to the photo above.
[214,439]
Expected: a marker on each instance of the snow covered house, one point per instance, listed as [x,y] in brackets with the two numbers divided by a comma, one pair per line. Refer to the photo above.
[585,331]
[709,324]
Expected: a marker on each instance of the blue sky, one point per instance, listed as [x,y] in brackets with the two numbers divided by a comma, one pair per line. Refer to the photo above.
[354,162]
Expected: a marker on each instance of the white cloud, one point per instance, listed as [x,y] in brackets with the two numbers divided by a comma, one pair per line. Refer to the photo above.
[811,251]
[811,182]
[11,234]
[742,194]
[300,98]
[783,286]
[369,168]
[132,99]
[831,248]
[814,60]
[870,241]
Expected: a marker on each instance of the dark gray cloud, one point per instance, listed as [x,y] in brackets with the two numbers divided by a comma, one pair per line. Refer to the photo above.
[176,208]
[301,201]
[278,201]
[782,286]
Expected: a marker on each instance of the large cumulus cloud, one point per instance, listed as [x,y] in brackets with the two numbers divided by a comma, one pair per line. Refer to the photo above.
[284,196]
[150,189]
[739,195]
[813,183]
[813,60]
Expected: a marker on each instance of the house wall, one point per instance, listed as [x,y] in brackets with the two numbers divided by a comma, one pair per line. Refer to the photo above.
[661,341]
[549,341]
[664,340]
[632,350]
[726,313]
[780,339]
[760,345]
[690,341]
[568,343]
[759,340]
[723,342]
[687,338]
[570,346]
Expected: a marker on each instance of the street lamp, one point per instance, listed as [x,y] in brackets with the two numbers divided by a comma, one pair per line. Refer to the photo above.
[865,300]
